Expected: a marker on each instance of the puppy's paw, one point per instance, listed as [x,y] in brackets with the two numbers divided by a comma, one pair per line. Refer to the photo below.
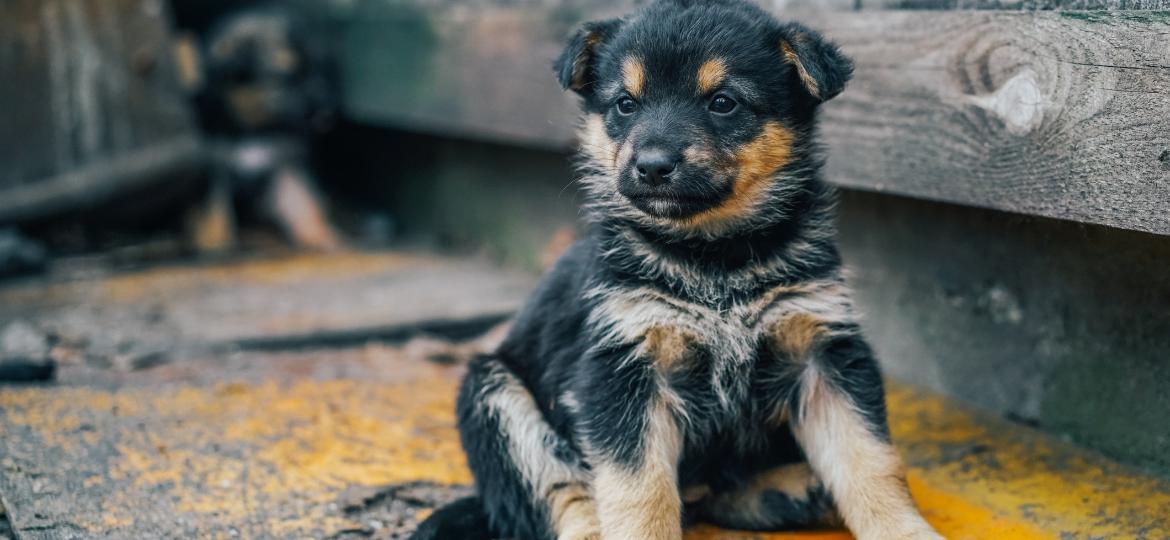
[580,524]
[575,514]
[923,535]
[581,535]
[916,529]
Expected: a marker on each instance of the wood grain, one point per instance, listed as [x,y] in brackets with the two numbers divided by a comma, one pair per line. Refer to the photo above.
[1056,114]
[476,70]
[1037,113]
[90,103]
[345,297]
[1024,5]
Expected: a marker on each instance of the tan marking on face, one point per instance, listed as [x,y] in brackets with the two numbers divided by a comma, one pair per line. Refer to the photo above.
[862,472]
[758,161]
[666,346]
[644,502]
[699,154]
[624,154]
[711,75]
[596,142]
[573,512]
[797,334]
[805,78]
[634,76]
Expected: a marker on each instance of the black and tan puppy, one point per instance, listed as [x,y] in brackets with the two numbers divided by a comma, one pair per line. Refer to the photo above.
[696,356]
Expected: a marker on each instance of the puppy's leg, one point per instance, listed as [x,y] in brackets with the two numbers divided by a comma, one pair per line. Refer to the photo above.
[785,497]
[634,446]
[532,482]
[639,498]
[840,422]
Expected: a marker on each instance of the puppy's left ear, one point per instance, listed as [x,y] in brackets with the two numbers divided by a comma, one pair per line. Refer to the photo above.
[577,65]
[821,67]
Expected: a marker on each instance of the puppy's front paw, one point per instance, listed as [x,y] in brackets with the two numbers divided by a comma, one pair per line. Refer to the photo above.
[581,526]
[917,530]
[580,535]
[923,535]
[911,527]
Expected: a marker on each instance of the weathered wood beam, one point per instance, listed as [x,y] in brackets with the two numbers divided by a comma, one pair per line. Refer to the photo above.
[1024,5]
[88,186]
[1057,114]
[483,72]
[1063,115]
[90,106]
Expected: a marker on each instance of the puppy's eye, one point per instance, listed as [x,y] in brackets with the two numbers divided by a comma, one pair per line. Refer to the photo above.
[722,104]
[627,106]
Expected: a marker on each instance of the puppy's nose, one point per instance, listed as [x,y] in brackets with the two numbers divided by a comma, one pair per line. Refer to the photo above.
[654,166]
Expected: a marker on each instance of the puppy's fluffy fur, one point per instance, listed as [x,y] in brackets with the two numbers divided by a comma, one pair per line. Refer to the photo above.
[696,357]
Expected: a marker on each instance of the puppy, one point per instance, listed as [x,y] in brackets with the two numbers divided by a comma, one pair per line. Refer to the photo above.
[697,355]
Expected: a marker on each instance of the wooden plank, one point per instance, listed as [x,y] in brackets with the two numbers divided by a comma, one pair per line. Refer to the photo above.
[477,71]
[153,316]
[788,6]
[1058,114]
[1052,114]
[94,107]
[88,186]
[1022,5]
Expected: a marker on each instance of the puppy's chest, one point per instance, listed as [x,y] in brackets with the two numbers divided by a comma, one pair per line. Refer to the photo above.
[720,357]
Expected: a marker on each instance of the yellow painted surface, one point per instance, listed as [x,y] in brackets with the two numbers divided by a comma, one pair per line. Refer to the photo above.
[264,459]
[271,459]
[161,281]
[1033,486]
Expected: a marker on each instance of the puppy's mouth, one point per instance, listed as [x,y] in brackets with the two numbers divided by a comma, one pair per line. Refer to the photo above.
[688,192]
[671,206]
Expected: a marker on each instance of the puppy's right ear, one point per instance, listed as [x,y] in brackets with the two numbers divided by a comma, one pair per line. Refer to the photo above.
[821,67]
[576,68]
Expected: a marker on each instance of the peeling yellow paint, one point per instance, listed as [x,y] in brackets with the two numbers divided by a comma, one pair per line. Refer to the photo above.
[112,522]
[268,459]
[1018,477]
[149,284]
[959,519]
[290,449]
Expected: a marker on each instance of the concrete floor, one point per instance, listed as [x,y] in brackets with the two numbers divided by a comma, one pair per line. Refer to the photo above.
[301,397]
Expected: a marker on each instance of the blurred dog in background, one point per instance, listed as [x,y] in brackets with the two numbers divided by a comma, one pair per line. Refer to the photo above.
[268,90]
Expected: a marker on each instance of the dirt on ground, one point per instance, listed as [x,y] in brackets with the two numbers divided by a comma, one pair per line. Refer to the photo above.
[306,396]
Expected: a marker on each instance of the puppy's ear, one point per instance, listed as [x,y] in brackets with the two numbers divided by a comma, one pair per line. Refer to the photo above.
[576,67]
[821,67]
